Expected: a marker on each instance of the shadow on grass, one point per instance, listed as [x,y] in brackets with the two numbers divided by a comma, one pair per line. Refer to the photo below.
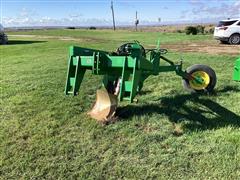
[144,92]
[200,112]
[228,89]
[15,42]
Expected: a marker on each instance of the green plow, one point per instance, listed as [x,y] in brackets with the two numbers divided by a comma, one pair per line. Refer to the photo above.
[124,72]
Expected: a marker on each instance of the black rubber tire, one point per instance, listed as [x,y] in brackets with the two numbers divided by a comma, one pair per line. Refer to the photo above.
[206,69]
[6,39]
[3,39]
[234,39]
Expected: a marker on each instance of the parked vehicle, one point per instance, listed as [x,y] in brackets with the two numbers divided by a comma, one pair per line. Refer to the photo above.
[3,36]
[228,31]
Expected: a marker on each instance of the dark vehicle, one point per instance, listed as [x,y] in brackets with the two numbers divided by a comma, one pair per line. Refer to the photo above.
[3,36]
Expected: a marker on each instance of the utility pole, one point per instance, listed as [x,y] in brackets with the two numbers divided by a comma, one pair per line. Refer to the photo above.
[136,22]
[113,16]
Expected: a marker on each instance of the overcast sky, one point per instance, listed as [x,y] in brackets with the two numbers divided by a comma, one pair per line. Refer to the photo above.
[98,12]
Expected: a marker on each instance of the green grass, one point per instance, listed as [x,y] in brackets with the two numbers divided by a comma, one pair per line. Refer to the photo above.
[169,134]
[106,36]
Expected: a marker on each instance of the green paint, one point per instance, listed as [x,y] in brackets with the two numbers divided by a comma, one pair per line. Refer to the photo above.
[236,74]
[132,68]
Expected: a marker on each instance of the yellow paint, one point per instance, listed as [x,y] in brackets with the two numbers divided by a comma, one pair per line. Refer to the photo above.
[200,75]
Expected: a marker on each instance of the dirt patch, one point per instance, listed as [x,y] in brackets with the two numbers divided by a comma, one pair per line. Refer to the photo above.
[33,36]
[62,38]
[205,47]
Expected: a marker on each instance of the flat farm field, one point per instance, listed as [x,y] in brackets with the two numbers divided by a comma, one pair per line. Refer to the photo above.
[168,134]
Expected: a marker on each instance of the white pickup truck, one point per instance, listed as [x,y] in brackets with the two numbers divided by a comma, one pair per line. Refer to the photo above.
[228,31]
[3,36]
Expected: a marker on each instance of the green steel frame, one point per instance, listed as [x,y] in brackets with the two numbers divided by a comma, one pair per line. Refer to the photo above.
[131,69]
[236,74]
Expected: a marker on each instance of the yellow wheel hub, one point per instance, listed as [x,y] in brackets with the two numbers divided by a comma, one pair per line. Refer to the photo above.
[200,80]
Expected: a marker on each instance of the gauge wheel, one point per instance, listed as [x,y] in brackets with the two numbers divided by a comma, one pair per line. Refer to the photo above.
[234,39]
[203,79]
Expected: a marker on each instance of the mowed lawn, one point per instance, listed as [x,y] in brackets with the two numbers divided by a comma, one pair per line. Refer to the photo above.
[168,134]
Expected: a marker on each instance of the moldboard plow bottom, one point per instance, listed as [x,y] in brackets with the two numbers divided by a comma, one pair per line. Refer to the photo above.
[105,106]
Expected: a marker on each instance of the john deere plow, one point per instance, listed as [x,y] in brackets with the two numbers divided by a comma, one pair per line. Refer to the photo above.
[124,73]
